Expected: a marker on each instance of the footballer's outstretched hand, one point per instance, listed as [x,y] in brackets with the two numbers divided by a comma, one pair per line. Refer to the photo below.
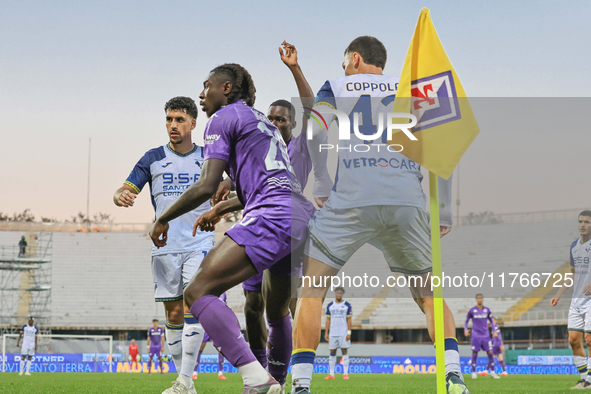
[466,333]
[444,230]
[290,57]
[554,301]
[207,221]
[223,191]
[320,201]
[159,229]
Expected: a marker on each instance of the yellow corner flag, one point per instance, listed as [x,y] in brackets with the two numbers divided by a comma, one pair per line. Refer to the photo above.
[430,89]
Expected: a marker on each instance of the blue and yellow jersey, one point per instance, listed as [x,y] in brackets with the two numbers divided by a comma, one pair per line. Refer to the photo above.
[169,174]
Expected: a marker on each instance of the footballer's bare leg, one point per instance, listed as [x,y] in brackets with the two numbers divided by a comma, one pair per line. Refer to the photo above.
[307,323]
[254,314]
[277,295]
[224,267]
[423,296]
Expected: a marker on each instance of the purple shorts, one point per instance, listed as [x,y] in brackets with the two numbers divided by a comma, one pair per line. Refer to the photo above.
[496,348]
[154,351]
[483,343]
[254,283]
[272,243]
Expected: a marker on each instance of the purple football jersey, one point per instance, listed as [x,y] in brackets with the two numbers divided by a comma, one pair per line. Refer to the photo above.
[480,319]
[155,335]
[498,341]
[297,149]
[258,163]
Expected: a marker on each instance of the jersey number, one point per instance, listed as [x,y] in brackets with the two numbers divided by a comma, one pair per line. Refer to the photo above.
[271,162]
[363,105]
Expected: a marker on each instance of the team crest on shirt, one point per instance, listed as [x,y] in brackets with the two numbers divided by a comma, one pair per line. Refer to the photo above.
[434,101]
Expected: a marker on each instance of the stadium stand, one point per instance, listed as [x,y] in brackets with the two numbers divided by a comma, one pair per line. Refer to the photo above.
[102,280]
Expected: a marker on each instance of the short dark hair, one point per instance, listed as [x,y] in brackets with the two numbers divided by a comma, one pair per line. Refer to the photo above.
[585,213]
[283,103]
[479,295]
[371,50]
[242,84]
[180,103]
[154,320]
[339,288]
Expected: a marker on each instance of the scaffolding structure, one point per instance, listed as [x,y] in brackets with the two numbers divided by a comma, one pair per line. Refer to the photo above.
[25,283]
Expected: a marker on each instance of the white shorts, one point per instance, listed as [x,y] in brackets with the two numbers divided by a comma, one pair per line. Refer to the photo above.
[338,343]
[172,272]
[28,351]
[579,319]
[402,233]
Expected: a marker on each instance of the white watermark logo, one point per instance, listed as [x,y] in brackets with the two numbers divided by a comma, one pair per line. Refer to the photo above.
[388,122]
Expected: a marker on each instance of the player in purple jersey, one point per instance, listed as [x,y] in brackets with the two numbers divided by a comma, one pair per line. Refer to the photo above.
[498,349]
[155,335]
[206,339]
[480,338]
[242,142]
[280,114]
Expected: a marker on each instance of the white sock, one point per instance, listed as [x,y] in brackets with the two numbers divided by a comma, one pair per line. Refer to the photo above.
[452,362]
[301,375]
[28,366]
[588,370]
[253,374]
[332,360]
[186,380]
[22,365]
[174,340]
[346,364]
[192,338]
[220,373]
[581,362]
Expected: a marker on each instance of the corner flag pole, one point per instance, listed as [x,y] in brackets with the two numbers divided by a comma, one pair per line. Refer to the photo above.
[437,291]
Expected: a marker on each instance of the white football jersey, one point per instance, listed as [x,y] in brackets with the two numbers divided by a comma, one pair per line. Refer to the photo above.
[368,174]
[338,312]
[29,334]
[580,254]
[169,174]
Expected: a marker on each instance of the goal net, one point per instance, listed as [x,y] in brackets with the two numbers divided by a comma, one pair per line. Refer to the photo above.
[61,353]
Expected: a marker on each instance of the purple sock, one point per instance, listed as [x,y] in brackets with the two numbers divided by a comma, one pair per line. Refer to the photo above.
[491,362]
[198,360]
[261,355]
[279,348]
[474,356]
[220,363]
[221,324]
[503,365]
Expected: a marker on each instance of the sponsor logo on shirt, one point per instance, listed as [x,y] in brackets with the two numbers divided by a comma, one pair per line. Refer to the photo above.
[211,138]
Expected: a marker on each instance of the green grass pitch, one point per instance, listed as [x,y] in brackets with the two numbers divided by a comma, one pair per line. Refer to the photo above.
[118,383]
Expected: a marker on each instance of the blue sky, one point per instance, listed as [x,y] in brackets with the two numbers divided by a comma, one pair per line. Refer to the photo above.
[74,70]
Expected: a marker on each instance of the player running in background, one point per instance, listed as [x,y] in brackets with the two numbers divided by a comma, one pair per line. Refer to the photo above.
[29,336]
[155,335]
[243,142]
[498,349]
[206,339]
[280,114]
[169,170]
[338,331]
[579,313]
[133,354]
[480,338]
[382,205]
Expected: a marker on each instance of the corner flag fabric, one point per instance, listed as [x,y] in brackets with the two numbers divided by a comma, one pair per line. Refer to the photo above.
[430,89]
